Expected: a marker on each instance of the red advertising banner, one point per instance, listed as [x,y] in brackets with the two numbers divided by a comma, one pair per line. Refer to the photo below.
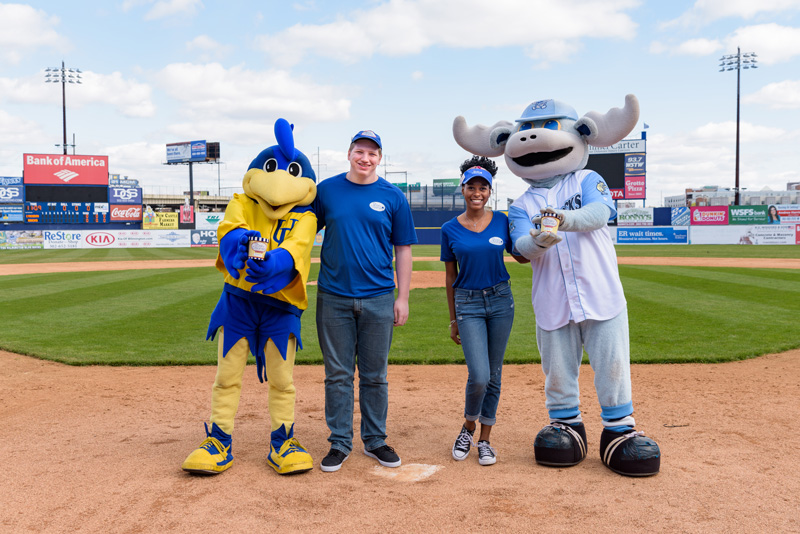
[634,187]
[617,194]
[64,169]
[126,212]
[709,215]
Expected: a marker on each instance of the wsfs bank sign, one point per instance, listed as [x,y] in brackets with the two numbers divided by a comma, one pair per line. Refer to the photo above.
[56,169]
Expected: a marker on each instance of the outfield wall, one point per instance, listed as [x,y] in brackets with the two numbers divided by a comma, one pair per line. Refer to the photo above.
[783,234]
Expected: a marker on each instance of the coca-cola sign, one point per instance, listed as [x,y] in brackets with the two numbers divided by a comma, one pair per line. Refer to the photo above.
[125,213]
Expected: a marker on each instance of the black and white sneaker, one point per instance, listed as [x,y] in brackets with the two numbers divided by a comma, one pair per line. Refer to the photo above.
[463,444]
[333,461]
[385,456]
[486,454]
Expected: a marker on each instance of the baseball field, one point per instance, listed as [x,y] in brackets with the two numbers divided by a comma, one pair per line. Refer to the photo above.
[96,446]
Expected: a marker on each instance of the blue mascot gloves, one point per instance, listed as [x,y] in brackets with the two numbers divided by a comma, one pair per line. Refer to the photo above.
[233,249]
[273,273]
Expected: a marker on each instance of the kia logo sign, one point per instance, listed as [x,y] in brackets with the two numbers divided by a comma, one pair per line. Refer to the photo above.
[99,239]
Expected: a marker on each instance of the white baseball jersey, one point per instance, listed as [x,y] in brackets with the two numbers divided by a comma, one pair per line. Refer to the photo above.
[578,278]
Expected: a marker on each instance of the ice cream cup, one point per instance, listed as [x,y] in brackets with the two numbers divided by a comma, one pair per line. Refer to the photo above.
[257,248]
[550,223]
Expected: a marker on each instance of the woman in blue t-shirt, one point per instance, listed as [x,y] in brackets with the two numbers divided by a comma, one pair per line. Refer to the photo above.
[480,301]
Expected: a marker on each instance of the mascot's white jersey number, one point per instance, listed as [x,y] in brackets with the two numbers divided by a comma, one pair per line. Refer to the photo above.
[578,278]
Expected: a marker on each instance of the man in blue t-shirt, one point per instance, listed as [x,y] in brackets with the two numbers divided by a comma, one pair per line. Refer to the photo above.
[364,217]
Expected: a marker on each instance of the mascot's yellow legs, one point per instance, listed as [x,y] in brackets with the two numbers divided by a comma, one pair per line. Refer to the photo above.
[286,454]
[227,388]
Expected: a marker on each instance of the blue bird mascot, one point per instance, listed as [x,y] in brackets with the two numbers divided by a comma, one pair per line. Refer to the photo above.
[262,301]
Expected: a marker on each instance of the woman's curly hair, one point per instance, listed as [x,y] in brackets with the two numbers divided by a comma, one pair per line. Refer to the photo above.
[479,161]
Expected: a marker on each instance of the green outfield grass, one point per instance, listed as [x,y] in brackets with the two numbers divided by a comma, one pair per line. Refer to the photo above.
[159,317]
[197,253]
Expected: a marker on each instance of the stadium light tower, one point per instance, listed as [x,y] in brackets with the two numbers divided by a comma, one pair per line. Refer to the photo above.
[63,76]
[737,61]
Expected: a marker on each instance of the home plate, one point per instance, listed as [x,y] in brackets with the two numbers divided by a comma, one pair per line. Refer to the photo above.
[408,472]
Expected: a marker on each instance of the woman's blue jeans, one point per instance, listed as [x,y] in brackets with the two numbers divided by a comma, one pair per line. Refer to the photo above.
[355,332]
[485,317]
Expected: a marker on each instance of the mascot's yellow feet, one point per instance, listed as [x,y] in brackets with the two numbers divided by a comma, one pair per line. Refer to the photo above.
[290,459]
[213,456]
[286,455]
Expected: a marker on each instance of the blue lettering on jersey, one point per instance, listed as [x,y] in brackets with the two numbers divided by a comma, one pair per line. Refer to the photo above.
[572,203]
[282,229]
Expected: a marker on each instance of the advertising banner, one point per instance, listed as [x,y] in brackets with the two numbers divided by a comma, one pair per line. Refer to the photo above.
[125,195]
[125,213]
[63,239]
[21,239]
[617,194]
[12,212]
[187,213]
[10,194]
[680,216]
[626,146]
[634,187]
[778,234]
[186,151]
[115,239]
[116,181]
[65,169]
[634,164]
[709,215]
[204,238]
[10,180]
[787,213]
[747,215]
[159,221]
[635,217]
[659,235]
[208,220]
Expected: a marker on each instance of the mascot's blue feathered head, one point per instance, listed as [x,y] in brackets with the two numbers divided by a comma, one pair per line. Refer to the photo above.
[280,177]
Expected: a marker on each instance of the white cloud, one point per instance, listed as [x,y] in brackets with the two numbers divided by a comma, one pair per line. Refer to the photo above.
[236,94]
[18,131]
[706,11]
[171,8]
[208,48]
[698,47]
[130,98]
[164,8]
[24,29]
[779,95]
[773,43]
[417,75]
[405,28]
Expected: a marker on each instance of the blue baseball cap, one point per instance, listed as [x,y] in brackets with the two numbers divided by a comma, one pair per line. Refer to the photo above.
[368,134]
[548,109]
[478,172]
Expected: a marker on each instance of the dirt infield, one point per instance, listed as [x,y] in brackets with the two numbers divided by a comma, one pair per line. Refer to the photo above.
[98,449]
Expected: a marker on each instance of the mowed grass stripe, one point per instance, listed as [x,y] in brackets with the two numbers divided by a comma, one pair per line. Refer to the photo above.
[677,314]
[120,317]
[702,314]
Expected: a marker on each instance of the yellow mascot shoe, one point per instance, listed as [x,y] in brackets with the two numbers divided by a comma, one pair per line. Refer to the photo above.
[290,457]
[213,456]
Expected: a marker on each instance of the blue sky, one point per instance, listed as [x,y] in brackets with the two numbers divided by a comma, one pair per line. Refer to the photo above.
[163,71]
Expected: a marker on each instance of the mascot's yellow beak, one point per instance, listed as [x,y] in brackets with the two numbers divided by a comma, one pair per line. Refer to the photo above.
[277,192]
